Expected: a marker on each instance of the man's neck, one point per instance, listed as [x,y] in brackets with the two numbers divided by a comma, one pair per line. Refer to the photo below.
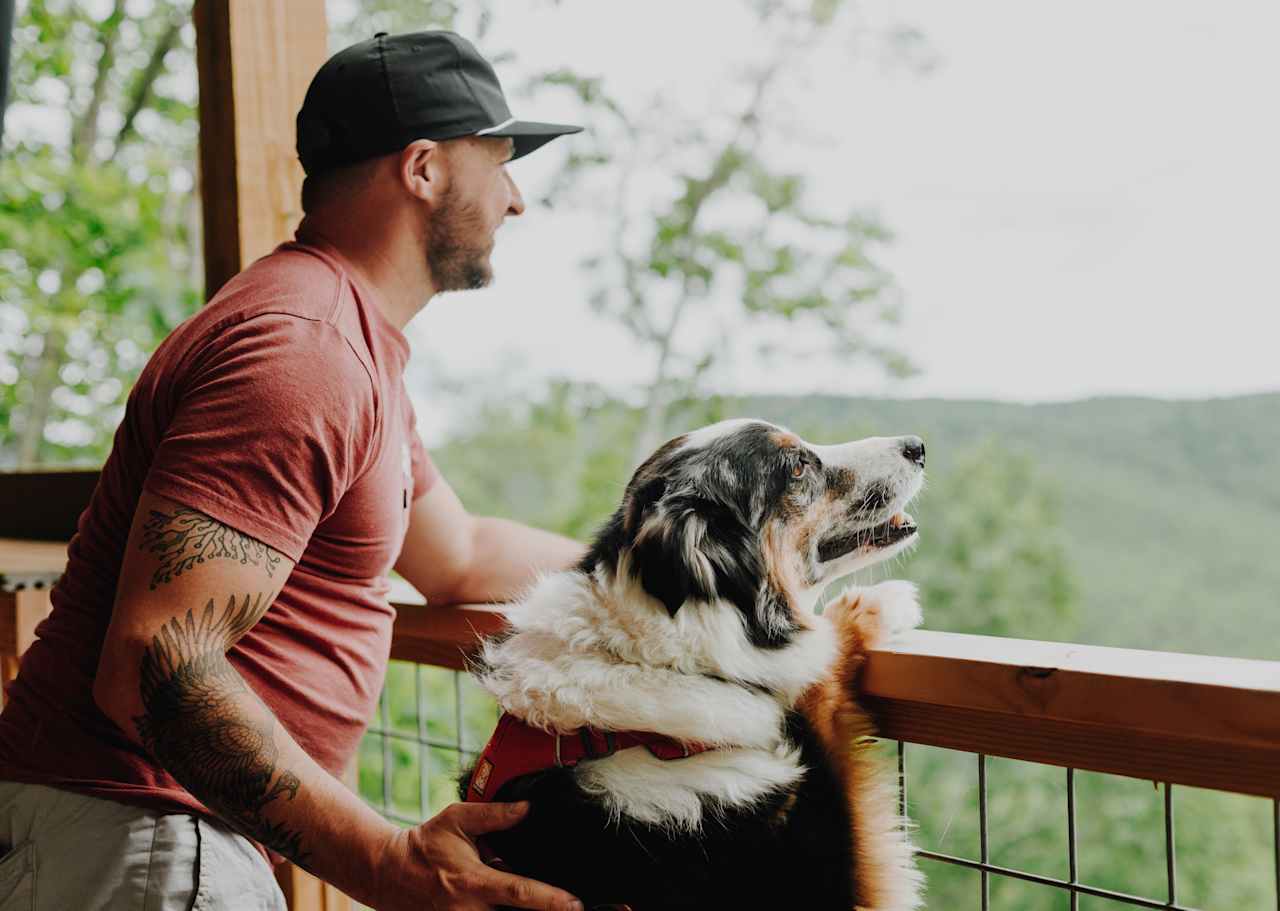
[402,284]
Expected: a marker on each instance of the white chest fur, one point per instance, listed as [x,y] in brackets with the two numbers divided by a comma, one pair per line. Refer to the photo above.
[585,654]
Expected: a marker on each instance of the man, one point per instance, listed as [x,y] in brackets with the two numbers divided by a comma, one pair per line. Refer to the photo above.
[230,570]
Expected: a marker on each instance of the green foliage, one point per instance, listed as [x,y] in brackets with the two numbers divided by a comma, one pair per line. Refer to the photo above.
[84,278]
[993,560]
[446,710]
[98,238]
[703,224]
[559,463]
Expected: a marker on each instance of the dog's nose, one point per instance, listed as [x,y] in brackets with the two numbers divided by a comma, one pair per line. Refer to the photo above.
[913,450]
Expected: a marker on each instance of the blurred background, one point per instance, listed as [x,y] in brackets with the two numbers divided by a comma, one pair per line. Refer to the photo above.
[1041,236]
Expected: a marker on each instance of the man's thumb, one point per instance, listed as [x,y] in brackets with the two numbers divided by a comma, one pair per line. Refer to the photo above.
[479,818]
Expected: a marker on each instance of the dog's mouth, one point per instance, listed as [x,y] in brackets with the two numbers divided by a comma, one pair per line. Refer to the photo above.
[899,527]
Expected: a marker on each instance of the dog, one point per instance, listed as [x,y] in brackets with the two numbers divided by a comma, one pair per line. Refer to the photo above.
[683,722]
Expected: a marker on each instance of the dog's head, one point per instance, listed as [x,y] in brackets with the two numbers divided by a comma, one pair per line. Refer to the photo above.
[747,514]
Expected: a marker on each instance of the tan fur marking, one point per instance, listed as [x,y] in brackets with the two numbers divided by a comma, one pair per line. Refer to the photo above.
[832,709]
[782,566]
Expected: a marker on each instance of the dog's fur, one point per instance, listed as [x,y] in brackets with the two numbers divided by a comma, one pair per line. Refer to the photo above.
[693,616]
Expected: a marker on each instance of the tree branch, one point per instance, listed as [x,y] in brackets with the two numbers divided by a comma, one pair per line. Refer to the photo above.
[141,91]
[84,133]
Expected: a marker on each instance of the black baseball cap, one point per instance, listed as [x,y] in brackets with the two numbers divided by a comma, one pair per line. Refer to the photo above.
[378,96]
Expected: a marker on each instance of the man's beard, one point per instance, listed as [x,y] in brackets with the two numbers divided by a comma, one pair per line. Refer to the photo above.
[455,265]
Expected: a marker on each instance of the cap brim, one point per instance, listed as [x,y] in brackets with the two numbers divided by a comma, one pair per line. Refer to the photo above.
[528,135]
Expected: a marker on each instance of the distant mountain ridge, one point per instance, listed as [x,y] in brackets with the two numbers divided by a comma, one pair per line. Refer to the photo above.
[1171,508]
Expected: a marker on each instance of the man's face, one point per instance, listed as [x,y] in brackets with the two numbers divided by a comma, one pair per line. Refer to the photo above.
[460,230]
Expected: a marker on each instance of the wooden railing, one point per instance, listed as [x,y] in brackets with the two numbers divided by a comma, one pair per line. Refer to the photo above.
[1180,719]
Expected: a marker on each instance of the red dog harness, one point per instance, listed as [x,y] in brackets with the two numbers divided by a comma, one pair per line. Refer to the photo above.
[517,749]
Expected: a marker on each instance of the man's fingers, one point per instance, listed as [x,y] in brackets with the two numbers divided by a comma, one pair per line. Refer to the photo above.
[518,892]
[479,818]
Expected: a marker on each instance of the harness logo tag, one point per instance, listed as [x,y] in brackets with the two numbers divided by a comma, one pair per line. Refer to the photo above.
[481,778]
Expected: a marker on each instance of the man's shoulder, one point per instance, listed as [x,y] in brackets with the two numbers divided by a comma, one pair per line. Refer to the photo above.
[298,294]
[291,280]
[283,314]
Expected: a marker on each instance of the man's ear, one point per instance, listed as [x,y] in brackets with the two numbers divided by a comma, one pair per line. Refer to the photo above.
[421,170]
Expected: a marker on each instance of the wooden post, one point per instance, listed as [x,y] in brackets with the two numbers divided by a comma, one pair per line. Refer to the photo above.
[255,59]
[6,32]
[20,612]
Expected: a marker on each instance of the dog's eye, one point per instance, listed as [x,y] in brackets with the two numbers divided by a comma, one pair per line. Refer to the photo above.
[798,469]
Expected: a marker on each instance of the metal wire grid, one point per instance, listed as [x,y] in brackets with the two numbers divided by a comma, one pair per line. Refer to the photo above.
[1072,884]
[384,734]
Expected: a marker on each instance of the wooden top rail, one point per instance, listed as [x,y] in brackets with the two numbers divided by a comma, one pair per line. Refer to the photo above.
[1186,719]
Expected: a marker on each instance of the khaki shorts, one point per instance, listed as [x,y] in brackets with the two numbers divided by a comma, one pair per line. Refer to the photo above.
[62,851]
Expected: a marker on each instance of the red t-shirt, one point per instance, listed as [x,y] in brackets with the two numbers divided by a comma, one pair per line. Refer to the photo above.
[279,410]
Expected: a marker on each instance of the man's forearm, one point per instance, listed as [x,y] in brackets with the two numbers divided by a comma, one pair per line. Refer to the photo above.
[507,556]
[196,716]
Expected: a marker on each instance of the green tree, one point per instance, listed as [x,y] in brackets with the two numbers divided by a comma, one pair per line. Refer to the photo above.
[99,220]
[704,228]
[992,559]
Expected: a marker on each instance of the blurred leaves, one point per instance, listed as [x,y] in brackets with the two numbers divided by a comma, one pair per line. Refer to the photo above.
[98,217]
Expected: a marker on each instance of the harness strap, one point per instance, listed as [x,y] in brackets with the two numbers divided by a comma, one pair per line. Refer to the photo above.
[517,749]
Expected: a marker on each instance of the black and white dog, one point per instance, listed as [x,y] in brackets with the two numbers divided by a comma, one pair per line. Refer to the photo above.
[683,722]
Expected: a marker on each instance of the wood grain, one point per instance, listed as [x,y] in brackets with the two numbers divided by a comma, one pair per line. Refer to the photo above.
[255,59]
[1186,719]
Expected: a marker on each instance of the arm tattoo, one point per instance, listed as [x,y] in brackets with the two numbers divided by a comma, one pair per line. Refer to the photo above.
[192,724]
[188,537]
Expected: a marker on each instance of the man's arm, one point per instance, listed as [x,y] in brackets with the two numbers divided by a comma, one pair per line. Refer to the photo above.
[452,557]
[189,588]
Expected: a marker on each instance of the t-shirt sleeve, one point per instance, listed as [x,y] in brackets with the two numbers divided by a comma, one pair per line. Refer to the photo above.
[268,429]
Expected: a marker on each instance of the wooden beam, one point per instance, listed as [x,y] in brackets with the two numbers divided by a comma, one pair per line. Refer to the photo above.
[255,60]
[1186,719]
[6,34]
[20,559]
[20,612]
[44,505]
[439,635]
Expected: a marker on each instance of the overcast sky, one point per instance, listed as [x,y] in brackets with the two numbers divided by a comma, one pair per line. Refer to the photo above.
[1084,195]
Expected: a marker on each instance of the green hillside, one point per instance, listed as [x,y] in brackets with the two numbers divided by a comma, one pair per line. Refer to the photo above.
[1170,510]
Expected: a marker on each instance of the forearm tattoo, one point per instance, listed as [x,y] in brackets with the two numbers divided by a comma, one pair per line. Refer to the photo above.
[186,537]
[194,724]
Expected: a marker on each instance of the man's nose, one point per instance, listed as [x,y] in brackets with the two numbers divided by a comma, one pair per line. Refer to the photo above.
[516,205]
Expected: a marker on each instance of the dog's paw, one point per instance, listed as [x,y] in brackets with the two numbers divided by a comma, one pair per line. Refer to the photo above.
[841,609]
[877,613]
[899,602]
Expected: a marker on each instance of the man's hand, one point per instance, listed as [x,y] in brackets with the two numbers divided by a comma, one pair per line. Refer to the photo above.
[438,862]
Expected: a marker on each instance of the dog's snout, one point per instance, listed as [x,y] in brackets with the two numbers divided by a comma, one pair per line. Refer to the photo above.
[913,450]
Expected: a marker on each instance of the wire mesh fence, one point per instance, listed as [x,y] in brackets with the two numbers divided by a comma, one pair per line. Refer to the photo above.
[1043,837]
[431,723]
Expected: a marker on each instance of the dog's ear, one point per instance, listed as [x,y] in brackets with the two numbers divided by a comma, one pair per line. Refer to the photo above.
[692,547]
[641,500]
[659,555]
